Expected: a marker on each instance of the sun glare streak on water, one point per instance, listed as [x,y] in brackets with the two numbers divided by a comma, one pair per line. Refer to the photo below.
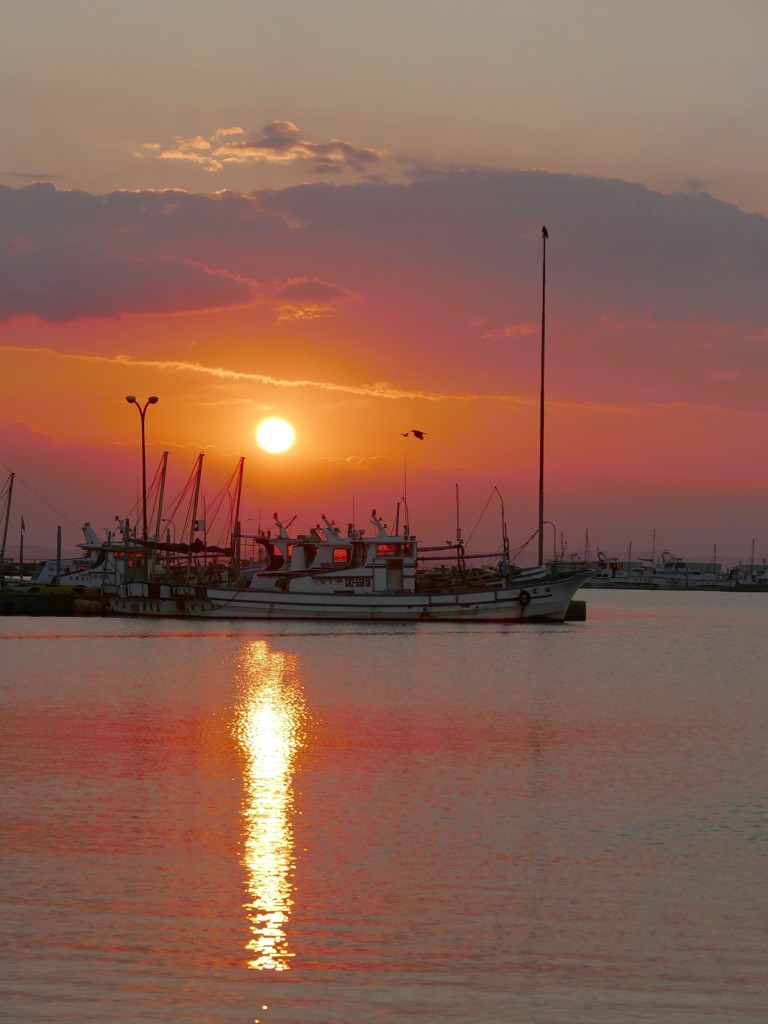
[268,726]
[313,824]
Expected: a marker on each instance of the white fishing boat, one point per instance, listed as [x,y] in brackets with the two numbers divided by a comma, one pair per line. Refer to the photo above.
[101,561]
[614,574]
[673,573]
[324,575]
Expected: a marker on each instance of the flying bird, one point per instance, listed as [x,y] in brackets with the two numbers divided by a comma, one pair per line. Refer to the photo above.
[416,433]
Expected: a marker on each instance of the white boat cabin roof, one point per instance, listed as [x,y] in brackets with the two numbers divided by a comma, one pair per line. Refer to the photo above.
[326,548]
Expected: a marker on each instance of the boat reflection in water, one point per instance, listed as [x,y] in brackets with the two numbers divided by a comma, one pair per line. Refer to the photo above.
[269,727]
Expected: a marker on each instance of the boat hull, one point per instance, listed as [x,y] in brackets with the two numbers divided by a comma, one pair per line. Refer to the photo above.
[545,600]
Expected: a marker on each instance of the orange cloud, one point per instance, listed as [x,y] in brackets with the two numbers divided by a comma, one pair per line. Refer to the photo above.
[305,298]
[280,142]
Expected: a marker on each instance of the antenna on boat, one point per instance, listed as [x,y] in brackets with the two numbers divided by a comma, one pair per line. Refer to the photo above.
[544,237]
[406,521]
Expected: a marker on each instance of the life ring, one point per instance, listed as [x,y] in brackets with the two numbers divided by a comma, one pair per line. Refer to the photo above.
[525,598]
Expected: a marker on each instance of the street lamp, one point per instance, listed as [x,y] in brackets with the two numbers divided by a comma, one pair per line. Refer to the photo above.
[131,399]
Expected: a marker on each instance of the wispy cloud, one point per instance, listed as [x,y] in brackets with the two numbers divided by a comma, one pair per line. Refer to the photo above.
[379,389]
[280,142]
[508,331]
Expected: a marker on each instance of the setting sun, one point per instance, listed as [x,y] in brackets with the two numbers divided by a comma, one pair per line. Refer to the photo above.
[275,435]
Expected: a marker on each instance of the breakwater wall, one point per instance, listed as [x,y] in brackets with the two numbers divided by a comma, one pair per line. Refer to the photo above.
[57,601]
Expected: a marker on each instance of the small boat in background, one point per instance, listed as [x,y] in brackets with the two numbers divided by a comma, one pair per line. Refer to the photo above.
[102,561]
[610,573]
[669,572]
[751,577]
[672,572]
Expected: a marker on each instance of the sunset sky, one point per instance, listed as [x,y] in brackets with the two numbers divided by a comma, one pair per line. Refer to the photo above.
[331,213]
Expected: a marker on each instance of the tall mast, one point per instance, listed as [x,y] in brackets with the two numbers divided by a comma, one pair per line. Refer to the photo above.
[193,524]
[504,537]
[458,518]
[238,492]
[158,525]
[5,526]
[459,541]
[234,564]
[198,474]
[544,237]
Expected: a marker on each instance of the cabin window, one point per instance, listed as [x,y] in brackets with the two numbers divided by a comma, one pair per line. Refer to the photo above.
[385,549]
[340,555]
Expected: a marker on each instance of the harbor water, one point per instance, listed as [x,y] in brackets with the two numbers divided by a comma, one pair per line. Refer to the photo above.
[343,824]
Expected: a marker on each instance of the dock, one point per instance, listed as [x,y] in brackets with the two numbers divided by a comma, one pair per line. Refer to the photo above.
[48,600]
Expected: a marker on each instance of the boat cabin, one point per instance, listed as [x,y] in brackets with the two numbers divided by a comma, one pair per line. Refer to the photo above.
[380,562]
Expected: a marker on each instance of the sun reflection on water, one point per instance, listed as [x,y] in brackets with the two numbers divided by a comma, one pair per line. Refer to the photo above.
[269,724]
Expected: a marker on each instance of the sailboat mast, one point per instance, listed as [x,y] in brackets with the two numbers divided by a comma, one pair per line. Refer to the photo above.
[458,517]
[193,524]
[238,493]
[234,567]
[198,474]
[459,542]
[5,526]
[158,524]
[544,237]
[504,537]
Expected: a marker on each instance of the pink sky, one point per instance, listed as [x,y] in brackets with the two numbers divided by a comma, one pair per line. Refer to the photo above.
[360,278]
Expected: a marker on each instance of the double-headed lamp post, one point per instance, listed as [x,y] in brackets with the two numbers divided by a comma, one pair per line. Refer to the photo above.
[132,400]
